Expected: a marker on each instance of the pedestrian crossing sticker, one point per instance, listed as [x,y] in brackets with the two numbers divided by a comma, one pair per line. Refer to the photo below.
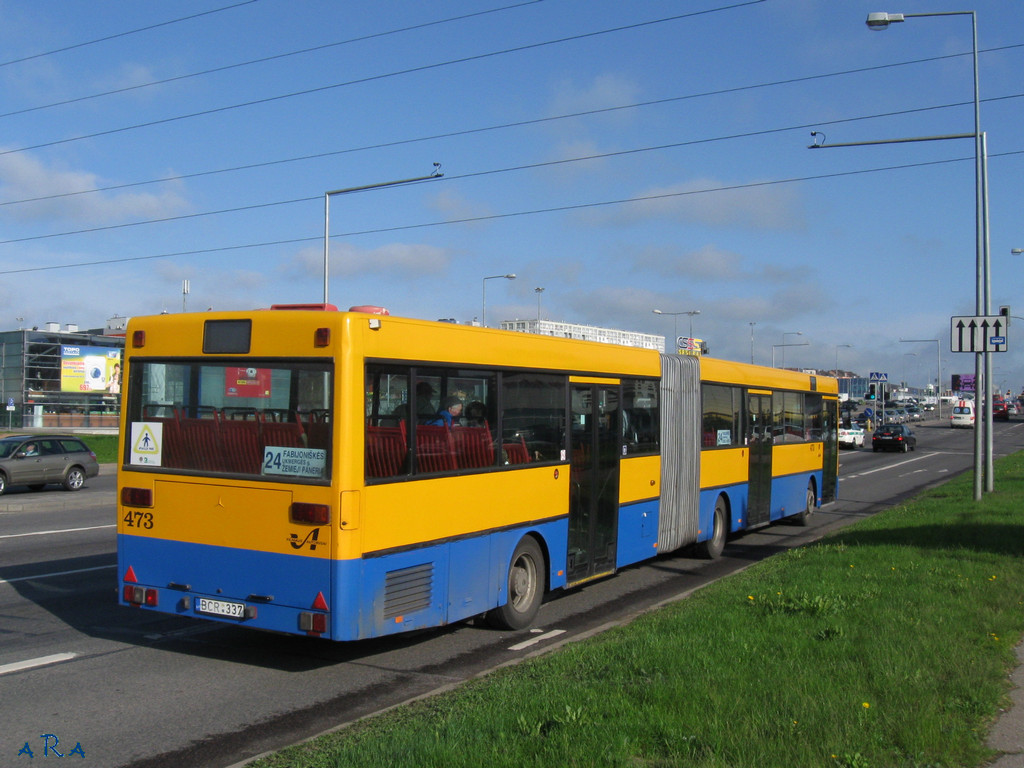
[146,440]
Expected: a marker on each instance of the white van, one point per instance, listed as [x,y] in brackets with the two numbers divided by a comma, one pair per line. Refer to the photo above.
[962,415]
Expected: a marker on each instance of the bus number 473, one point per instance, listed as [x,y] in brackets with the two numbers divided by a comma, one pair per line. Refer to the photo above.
[138,519]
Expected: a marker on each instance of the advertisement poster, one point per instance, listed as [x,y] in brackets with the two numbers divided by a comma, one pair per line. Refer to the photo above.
[90,369]
[247,382]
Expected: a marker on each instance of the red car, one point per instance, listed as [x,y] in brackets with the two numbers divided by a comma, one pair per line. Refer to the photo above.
[1000,409]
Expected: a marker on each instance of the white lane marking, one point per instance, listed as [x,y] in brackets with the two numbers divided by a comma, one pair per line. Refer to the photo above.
[56,573]
[62,530]
[42,661]
[537,639]
[886,467]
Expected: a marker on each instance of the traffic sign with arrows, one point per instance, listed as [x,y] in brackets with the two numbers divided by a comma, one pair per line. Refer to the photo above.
[986,333]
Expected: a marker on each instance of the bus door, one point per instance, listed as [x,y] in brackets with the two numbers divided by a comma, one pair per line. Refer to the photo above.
[830,454]
[759,443]
[594,481]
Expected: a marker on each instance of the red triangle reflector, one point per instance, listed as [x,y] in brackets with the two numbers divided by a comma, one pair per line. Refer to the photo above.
[130,575]
[320,604]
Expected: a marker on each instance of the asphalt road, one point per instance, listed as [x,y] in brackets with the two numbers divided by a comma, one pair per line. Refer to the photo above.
[129,688]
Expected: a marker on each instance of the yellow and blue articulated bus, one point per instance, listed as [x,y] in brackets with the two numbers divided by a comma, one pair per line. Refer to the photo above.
[348,475]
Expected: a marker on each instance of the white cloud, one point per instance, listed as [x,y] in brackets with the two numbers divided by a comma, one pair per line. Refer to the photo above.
[400,260]
[23,177]
[455,207]
[602,92]
[774,207]
[705,263]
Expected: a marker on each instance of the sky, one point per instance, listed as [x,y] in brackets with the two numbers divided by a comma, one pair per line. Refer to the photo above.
[623,157]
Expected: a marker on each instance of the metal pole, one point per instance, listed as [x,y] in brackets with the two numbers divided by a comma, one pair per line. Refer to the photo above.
[327,208]
[987,281]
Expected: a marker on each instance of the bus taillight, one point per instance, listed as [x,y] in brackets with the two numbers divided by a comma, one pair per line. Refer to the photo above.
[315,623]
[314,514]
[140,596]
[137,497]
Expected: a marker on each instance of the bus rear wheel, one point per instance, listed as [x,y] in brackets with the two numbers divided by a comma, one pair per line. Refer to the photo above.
[804,518]
[525,588]
[713,547]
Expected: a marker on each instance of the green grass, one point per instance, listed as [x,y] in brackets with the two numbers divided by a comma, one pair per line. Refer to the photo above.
[104,446]
[886,644]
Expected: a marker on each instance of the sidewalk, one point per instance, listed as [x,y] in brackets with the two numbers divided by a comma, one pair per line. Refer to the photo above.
[1007,734]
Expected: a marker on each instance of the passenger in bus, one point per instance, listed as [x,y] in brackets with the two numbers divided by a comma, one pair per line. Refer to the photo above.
[450,414]
[425,409]
[476,414]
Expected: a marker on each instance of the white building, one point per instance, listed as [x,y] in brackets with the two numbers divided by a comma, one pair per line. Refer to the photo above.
[586,333]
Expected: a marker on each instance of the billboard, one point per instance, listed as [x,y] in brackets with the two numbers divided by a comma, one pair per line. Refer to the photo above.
[963,382]
[247,382]
[90,369]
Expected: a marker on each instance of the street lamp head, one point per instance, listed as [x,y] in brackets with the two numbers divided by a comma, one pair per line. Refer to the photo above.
[657,311]
[1017,251]
[510,277]
[880,21]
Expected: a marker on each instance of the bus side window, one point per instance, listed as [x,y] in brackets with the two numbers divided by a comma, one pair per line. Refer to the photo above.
[387,421]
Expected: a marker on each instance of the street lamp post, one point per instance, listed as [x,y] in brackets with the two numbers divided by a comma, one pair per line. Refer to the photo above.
[982,360]
[483,303]
[752,324]
[327,209]
[538,291]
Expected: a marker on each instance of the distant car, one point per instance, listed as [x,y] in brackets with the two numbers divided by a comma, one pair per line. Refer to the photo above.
[851,437]
[39,460]
[915,412]
[1000,410]
[893,437]
[962,415]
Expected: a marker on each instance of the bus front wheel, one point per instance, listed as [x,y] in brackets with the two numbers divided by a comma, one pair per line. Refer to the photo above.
[525,587]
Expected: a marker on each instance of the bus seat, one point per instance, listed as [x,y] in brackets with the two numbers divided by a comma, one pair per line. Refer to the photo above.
[473,447]
[201,444]
[435,451]
[516,452]
[286,434]
[385,451]
[242,451]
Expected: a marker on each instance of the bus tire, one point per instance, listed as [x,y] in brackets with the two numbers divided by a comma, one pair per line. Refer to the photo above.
[525,588]
[712,548]
[804,518]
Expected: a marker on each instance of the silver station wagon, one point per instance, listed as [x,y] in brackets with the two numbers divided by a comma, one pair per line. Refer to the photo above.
[38,460]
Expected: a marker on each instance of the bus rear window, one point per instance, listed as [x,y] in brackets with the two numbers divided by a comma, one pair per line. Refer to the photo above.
[227,337]
[257,418]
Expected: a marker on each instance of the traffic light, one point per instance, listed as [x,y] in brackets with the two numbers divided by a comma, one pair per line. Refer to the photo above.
[871,392]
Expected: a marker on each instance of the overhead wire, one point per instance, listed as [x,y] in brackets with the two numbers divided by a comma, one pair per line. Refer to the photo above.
[514,214]
[126,33]
[509,169]
[375,78]
[262,60]
[517,124]
[477,130]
